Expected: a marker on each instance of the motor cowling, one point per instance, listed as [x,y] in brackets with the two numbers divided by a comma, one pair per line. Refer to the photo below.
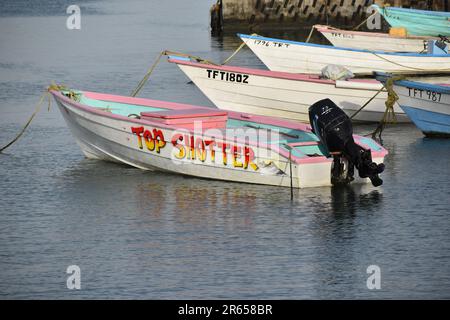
[334,129]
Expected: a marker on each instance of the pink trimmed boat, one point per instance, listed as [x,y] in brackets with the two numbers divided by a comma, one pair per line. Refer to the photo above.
[373,41]
[199,141]
[283,94]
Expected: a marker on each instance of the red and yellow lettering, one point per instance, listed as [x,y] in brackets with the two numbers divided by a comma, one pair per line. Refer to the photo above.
[236,152]
[159,140]
[182,151]
[211,144]
[200,147]
[249,155]
[138,131]
[224,153]
[189,141]
[149,141]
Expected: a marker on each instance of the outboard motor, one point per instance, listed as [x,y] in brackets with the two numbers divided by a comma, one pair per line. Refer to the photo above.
[335,131]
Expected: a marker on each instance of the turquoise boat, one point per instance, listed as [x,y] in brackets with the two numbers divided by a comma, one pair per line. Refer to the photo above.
[417,22]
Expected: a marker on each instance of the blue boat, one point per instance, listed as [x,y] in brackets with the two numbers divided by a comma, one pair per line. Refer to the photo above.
[427,105]
[417,22]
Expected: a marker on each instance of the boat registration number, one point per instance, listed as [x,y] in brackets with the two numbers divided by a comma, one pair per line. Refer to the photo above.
[425,94]
[271,43]
[227,76]
[342,35]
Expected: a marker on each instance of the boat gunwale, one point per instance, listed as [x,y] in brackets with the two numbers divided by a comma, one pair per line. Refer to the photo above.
[233,115]
[444,89]
[275,148]
[411,11]
[305,44]
[305,77]
[328,29]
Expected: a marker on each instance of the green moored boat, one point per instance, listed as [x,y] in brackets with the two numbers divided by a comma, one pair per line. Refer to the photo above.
[417,22]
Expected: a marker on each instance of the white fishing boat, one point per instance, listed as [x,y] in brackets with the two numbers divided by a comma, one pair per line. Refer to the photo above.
[207,143]
[373,41]
[282,94]
[301,57]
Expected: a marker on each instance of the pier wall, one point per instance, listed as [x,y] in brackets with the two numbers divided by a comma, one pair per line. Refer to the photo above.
[292,14]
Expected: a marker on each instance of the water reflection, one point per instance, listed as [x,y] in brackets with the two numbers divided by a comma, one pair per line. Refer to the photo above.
[346,201]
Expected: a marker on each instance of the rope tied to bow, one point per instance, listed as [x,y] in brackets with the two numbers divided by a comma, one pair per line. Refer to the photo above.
[45,94]
[147,75]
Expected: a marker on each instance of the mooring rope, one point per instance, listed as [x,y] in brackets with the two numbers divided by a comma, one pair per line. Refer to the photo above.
[408,67]
[389,114]
[180,54]
[365,104]
[311,33]
[367,19]
[47,94]
[235,52]
[314,27]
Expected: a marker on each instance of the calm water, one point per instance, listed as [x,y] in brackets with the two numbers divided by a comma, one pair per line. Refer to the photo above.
[138,234]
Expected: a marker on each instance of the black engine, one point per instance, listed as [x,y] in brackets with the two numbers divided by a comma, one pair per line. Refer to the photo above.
[335,131]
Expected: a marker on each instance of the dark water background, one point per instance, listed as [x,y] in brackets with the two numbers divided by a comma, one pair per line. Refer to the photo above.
[138,234]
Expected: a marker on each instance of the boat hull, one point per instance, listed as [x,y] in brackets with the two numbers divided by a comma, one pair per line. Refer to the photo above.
[269,94]
[417,22]
[300,57]
[431,117]
[105,137]
[372,41]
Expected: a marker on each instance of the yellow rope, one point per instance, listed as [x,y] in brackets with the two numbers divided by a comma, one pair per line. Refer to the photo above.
[365,104]
[412,68]
[355,28]
[237,50]
[165,53]
[359,25]
[168,53]
[310,33]
[389,114]
[47,94]
[147,75]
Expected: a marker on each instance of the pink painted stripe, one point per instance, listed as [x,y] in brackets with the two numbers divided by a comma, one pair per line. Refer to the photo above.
[156,103]
[177,106]
[266,73]
[189,113]
[257,72]
[301,144]
[139,101]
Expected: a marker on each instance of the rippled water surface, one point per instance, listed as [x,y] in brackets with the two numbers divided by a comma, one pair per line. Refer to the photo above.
[138,234]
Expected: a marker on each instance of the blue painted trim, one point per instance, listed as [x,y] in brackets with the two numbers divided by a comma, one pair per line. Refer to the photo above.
[430,123]
[408,54]
[179,58]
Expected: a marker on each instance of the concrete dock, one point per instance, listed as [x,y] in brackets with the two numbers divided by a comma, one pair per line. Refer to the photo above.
[257,15]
